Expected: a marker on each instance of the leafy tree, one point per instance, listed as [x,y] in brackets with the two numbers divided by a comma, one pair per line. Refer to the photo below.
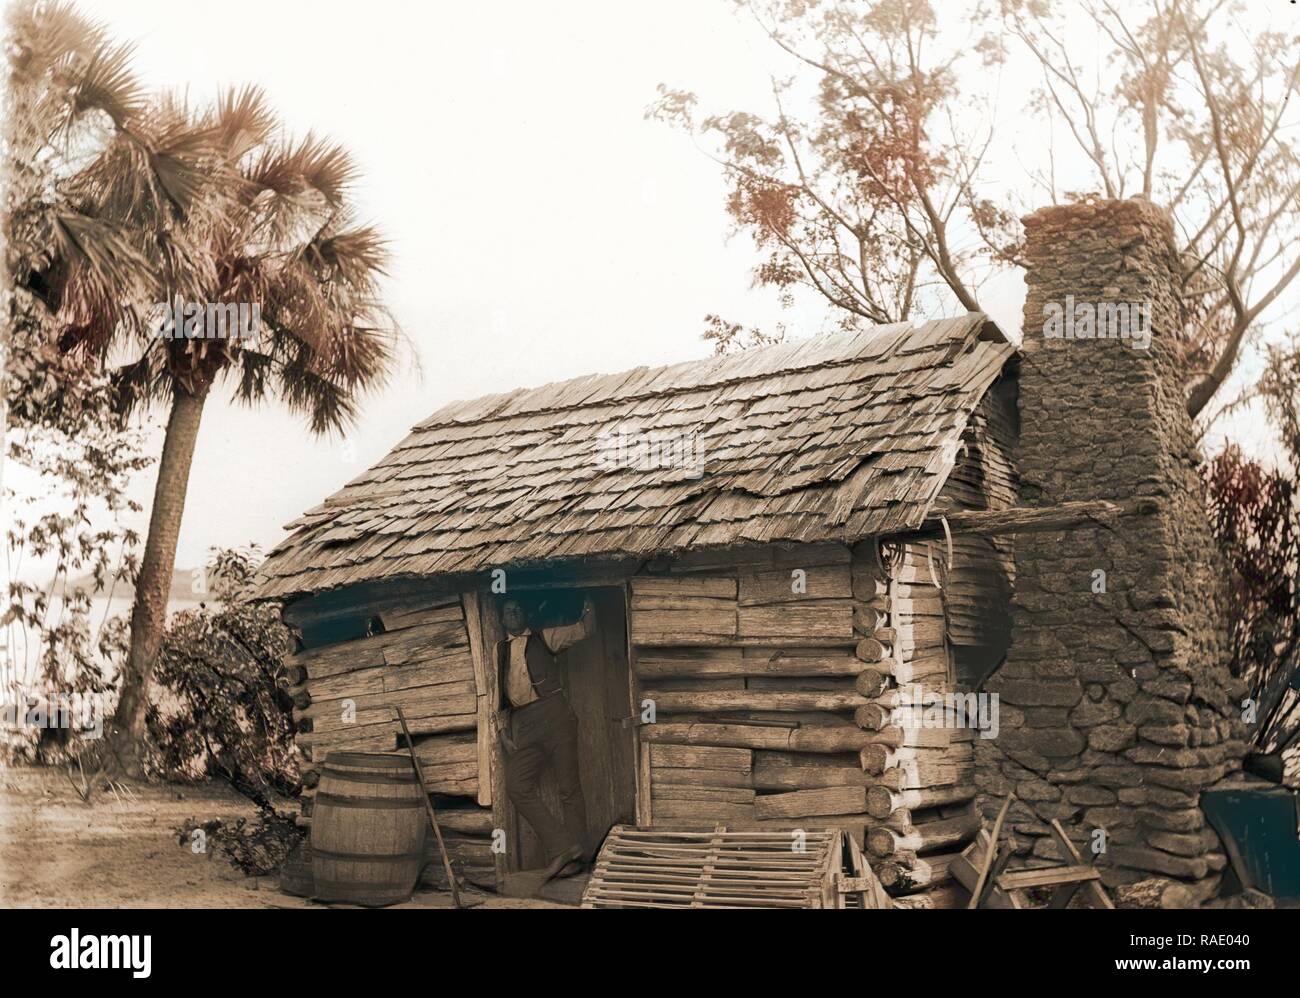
[1255,511]
[65,447]
[158,203]
[867,181]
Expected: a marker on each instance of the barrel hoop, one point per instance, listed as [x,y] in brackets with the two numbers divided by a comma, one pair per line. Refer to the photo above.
[376,759]
[370,803]
[353,776]
[350,857]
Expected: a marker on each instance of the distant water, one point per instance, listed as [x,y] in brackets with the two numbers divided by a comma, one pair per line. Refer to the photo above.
[17,646]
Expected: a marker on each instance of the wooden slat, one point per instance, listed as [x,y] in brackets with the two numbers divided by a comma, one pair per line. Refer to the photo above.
[717,868]
[486,693]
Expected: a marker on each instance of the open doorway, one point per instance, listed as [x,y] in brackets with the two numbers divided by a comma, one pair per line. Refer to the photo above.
[595,675]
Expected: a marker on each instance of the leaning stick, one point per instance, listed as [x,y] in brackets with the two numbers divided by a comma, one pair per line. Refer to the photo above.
[991,853]
[428,806]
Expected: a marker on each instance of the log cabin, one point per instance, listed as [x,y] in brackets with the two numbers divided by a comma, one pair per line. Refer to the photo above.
[793,552]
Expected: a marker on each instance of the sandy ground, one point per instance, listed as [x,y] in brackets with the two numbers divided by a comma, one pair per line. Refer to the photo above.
[57,852]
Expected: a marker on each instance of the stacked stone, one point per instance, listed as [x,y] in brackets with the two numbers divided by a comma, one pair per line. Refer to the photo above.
[1116,705]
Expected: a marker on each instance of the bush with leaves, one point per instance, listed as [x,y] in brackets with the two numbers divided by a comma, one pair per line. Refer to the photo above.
[221,707]
[1255,512]
[257,848]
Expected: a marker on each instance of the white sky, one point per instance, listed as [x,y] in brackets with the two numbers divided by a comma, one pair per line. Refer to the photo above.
[540,227]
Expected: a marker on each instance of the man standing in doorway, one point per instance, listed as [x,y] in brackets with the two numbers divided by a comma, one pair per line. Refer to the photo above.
[539,729]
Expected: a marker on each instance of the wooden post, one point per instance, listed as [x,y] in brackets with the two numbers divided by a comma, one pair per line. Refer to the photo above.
[485,683]
[479,624]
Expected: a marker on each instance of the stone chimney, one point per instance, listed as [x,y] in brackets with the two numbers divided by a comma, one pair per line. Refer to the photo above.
[1117,707]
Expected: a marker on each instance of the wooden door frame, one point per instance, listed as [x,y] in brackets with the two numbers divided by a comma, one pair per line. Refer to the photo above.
[484,631]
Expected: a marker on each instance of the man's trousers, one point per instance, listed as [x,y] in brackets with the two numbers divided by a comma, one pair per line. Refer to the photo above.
[545,734]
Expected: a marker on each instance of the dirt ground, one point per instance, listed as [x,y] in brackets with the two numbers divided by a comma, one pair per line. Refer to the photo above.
[122,852]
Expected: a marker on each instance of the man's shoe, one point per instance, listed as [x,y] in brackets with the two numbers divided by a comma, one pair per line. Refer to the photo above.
[571,869]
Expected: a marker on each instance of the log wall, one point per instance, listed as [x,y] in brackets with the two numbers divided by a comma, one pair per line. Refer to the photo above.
[775,676]
[422,662]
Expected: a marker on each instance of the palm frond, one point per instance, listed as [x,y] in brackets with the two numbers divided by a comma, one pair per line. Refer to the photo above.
[142,382]
[243,121]
[326,167]
[254,372]
[357,256]
[107,83]
[105,268]
[46,35]
[328,406]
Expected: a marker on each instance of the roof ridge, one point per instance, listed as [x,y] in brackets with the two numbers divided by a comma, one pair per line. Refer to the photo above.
[749,362]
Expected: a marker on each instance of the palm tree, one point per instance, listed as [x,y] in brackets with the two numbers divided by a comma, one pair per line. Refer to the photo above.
[162,203]
[284,240]
[69,91]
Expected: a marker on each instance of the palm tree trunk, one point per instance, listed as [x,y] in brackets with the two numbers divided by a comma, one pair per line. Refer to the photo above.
[153,585]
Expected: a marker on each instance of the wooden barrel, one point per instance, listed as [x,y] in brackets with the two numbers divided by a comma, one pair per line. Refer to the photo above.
[295,874]
[367,829]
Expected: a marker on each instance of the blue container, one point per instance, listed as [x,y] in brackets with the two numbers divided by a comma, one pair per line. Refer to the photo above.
[1264,825]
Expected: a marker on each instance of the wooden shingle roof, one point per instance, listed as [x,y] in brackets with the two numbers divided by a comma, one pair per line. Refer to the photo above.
[832,438]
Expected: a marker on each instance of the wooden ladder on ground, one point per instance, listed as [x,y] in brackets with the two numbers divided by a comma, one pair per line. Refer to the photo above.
[730,868]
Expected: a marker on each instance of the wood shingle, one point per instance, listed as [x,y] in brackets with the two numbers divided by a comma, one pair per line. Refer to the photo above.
[828,439]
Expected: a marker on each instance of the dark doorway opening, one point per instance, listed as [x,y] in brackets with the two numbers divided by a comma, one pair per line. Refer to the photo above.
[597,680]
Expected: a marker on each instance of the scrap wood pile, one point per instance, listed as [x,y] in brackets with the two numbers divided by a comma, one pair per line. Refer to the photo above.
[983,869]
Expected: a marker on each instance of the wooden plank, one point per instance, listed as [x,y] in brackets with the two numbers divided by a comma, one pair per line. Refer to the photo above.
[702,778]
[706,701]
[809,739]
[443,669]
[403,617]
[1051,876]
[486,694]
[701,812]
[778,771]
[1026,519]
[380,736]
[684,604]
[809,803]
[784,586]
[390,648]
[371,708]
[682,627]
[445,750]
[676,585]
[823,619]
[679,791]
[723,662]
[1094,890]
[644,779]
[469,820]
[700,757]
